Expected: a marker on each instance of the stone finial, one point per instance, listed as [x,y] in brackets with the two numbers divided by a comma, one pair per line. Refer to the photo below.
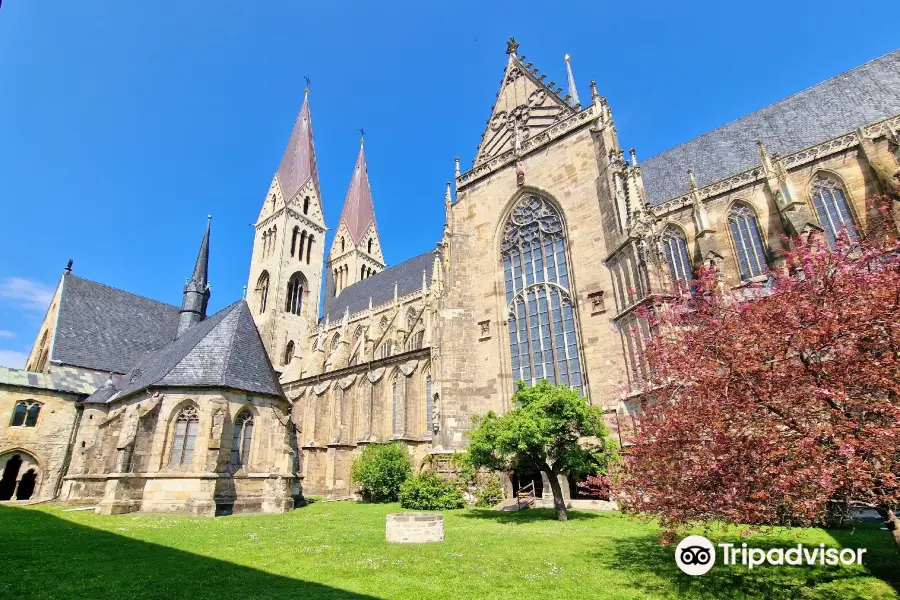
[457,166]
[692,183]
[764,157]
[512,46]
[633,157]
[69,264]
[595,95]
[448,199]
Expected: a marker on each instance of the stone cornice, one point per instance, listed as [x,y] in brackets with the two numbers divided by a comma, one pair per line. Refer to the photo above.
[790,161]
[554,132]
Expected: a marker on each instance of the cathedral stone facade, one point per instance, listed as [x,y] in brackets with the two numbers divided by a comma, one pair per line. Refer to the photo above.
[551,242]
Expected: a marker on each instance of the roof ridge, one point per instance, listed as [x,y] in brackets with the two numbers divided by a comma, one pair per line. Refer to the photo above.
[230,344]
[110,287]
[771,104]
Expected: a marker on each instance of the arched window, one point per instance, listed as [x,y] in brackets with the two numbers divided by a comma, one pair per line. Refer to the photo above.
[265,243]
[415,340]
[302,242]
[294,299]
[833,209]
[306,205]
[240,440]
[334,343]
[309,243]
[342,243]
[429,403]
[262,291]
[289,352]
[186,426]
[748,244]
[294,239]
[675,247]
[397,404]
[542,321]
[25,413]
[369,246]
[362,272]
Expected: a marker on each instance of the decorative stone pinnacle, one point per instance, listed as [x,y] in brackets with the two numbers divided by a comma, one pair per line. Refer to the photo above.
[594,93]
[457,166]
[633,157]
[512,46]
[691,181]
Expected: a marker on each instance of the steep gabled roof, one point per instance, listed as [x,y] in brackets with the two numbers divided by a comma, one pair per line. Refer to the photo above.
[224,351]
[298,164]
[107,329]
[359,211]
[525,103]
[406,277]
[865,94]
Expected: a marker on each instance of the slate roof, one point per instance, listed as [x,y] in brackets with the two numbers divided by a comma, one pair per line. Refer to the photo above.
[223,351]
[107,329]
[359,211]
[868,93]
[74,381]
[380,287]
[298,164]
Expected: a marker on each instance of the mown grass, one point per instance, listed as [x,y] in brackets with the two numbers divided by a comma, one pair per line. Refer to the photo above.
[337,551]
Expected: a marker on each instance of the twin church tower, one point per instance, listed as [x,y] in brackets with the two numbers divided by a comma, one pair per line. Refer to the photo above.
[288,260]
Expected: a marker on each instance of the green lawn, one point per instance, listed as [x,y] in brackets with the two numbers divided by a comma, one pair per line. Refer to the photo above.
[338,551]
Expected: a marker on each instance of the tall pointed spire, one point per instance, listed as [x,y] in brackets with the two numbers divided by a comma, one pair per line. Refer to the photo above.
[573,91]
[196,290]
[298,164]
[359,211]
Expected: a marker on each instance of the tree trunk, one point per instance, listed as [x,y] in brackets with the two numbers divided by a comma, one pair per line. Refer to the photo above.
[893,524]
[559,503]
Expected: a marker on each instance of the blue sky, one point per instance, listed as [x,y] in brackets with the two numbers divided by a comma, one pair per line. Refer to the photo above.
[122,124]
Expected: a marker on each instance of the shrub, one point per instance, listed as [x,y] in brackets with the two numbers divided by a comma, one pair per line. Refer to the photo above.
[489,493]
[595,486]
[428,491]
[380,471]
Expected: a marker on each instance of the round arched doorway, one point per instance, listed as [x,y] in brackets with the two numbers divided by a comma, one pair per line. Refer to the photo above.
[19,476]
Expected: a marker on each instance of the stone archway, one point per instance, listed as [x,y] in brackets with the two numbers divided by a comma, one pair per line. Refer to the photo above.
[20,479]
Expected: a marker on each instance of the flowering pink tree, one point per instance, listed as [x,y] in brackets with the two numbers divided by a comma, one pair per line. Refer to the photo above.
[780,406]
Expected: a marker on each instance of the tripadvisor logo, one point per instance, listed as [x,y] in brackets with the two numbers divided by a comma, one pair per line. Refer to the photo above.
[695,555]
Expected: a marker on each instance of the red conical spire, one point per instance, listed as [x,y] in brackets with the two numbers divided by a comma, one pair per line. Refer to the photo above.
[358,212]
[298,165]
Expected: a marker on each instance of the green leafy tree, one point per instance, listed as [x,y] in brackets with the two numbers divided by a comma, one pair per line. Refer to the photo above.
[380,471]
[551,429]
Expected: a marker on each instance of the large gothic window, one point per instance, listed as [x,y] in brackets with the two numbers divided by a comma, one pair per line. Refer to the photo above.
[262,291]
[748,245]
[294,298]
[677,257]
[542,320]
[240,441]
[833,209]
[186,426]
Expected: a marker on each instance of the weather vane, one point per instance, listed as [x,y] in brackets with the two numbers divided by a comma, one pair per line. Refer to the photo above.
[306,77]
[362,133]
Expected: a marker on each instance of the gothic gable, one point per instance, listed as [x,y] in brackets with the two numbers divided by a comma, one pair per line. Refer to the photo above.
[525,107]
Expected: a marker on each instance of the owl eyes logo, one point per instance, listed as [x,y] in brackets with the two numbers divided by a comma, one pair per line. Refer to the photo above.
[695,555]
